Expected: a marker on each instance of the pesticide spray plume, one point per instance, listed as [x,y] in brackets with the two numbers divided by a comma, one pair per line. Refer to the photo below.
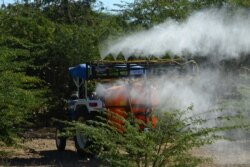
[203,91]
[221,32]
[216,34]
[177,91]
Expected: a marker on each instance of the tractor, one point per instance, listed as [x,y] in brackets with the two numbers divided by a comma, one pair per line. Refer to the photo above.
[135,96]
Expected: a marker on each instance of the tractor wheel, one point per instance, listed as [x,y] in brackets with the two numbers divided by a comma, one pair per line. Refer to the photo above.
[60,141]
[81,141]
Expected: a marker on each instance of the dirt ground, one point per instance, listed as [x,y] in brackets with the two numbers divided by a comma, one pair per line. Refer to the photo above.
[38,149]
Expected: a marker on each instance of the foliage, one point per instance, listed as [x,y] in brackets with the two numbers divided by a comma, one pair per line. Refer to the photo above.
[240,3]
[200,4]
[168,144]
[67,11]
[19,96]
[147,13]
[40,39]
[150,12]
[21,92]
[36,49]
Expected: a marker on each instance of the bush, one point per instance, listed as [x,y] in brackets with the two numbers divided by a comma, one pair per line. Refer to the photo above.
[168,144]
[17,104]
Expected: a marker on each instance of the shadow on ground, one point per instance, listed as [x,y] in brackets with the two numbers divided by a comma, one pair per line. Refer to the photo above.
[65,158]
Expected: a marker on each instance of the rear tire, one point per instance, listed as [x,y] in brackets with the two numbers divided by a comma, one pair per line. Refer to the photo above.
[60,141]
[81,141]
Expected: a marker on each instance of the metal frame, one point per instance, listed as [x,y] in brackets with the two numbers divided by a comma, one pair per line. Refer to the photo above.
[101,70]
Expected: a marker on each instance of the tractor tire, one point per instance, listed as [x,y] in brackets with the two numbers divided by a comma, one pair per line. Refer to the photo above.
[60,141]
[82,142]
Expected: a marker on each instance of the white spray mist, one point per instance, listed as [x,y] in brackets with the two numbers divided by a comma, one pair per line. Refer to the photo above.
[219,32]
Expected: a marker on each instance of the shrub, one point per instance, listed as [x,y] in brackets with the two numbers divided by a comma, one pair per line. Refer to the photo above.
[168,144]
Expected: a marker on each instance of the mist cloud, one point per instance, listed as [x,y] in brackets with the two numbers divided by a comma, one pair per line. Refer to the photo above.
[179,91]
[219,32]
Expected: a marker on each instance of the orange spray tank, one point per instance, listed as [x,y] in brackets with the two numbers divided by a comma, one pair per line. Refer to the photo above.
[135,99]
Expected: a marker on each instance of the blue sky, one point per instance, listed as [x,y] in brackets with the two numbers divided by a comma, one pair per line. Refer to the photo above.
[107,3]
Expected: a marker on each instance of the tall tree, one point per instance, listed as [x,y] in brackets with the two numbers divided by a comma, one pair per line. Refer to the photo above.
[150,12]
[199,4]
[241,3]
[66,11]
[21,94]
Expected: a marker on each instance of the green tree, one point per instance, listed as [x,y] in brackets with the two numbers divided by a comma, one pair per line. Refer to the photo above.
[147,13]
[53,45]
[200,4]
[67,11]
[240,3]
[21,94]
[150,12]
